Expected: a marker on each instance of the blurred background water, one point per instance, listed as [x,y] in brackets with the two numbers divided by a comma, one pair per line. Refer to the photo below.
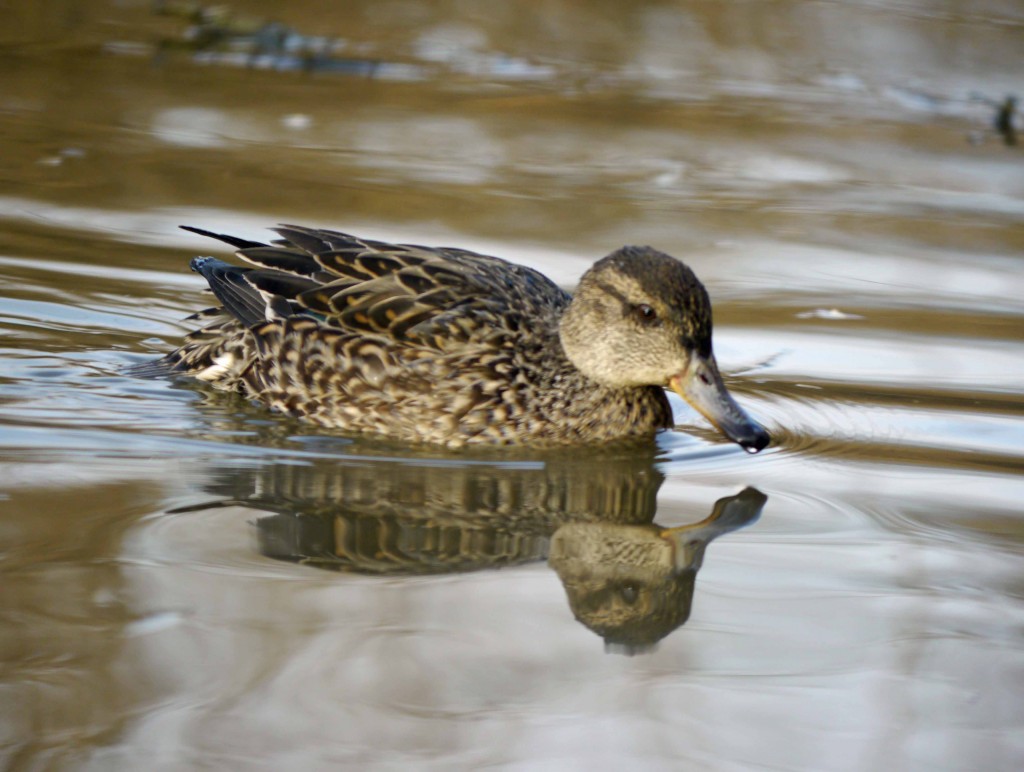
[844,177]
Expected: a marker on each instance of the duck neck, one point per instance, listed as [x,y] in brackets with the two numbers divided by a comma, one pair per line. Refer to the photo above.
[602,412]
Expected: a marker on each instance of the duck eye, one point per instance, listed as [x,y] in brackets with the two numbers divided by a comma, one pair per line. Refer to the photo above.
[645,313]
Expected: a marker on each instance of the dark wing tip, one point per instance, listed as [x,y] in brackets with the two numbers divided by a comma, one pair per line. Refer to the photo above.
[227,281]
[200,231]
[234,241]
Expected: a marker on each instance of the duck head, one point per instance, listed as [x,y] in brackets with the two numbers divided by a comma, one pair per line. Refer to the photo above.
[642,318]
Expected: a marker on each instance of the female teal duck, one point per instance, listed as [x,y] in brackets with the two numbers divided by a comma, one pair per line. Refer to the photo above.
[447,346]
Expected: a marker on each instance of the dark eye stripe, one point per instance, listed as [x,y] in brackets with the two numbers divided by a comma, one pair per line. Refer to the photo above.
[645,313]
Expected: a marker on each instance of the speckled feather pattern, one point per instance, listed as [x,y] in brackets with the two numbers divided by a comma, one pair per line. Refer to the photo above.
[411,343]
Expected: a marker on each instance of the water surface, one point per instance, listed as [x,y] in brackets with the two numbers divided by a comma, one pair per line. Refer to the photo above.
[852,598]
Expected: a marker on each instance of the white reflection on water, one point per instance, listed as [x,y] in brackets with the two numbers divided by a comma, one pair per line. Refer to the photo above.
[888,357]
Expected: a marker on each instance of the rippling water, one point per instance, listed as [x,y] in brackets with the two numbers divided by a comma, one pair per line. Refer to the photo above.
[834,174]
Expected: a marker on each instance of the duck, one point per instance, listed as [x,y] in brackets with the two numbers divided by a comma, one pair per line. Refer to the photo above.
[445,346]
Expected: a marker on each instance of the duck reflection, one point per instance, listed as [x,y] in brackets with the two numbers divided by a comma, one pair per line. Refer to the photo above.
[633,585]
[628,579]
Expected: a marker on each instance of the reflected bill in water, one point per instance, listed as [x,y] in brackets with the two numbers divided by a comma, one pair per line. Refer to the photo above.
[627,578]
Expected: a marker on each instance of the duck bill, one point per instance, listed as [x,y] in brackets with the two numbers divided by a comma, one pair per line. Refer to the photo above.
[701,385]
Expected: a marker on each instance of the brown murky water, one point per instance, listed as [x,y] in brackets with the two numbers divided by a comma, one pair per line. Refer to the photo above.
[831,170]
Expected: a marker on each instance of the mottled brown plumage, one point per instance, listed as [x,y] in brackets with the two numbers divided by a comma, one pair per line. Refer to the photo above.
[447,346]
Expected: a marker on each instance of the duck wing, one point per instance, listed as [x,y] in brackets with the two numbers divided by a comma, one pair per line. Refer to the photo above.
[436,297]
